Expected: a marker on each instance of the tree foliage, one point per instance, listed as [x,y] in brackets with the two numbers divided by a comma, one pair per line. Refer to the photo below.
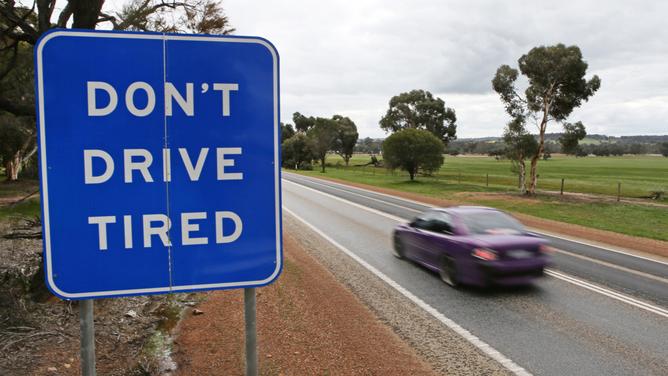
[21,26]
[571,137]
[413,150]
[556,86]
[302,123]
[346,137]
[322,134]
[419,109]
[287,131]
[368,145]
[297,152]
[520,145]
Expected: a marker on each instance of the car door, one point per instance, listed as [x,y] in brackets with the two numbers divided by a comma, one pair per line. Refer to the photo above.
[437,239]
[414,238]
[425,233]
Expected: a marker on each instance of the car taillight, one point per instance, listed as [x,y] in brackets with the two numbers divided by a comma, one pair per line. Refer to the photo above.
[484,254]
[546,249]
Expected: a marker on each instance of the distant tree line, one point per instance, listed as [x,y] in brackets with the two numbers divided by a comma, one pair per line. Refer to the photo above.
[611,146]
[311,138]
[369,145]
[420,125]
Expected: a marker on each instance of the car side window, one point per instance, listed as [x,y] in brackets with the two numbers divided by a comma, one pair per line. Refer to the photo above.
[421,222]
[434,221]
[441,223]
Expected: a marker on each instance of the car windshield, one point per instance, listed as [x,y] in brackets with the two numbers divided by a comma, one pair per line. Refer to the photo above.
[491,223]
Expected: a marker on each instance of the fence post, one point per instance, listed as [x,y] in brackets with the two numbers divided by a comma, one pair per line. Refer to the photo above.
[619,190]
[562,186]
[487,180]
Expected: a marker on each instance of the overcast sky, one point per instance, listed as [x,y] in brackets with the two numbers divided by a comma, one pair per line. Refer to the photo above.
[351,57]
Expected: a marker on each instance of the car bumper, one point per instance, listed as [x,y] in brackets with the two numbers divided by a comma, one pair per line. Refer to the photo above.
[513,272]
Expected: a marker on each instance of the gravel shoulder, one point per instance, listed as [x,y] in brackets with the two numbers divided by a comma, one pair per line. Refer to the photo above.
[446,351]
[308,324]
[326,314]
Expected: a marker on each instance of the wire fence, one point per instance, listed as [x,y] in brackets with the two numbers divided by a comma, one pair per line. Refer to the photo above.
[496,180]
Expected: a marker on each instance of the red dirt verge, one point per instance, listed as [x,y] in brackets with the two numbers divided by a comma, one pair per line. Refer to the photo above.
[308,324]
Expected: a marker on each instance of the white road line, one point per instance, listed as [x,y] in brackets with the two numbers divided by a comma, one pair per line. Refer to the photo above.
[368,198]
[475,341]
[559,275]
[609,293]
[365,190]
[429,206]
[390,216]
[598,246]
[614,266]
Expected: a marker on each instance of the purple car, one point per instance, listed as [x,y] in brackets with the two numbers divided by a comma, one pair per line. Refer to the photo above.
[473,245]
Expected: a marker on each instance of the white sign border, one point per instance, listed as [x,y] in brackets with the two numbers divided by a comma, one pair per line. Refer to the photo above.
[44,173]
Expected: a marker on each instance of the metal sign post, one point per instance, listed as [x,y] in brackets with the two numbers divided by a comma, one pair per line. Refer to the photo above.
[87,337]
[251,331]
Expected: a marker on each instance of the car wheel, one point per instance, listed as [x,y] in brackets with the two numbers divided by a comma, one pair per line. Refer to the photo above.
[448,271]
[398,249]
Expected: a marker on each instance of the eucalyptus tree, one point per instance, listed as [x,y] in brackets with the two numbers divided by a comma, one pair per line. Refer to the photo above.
[556,86]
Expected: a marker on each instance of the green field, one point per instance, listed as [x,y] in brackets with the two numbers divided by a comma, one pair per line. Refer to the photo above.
[639,176]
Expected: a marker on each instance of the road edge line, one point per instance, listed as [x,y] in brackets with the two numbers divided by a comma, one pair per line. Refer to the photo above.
[372,210]
[488,350]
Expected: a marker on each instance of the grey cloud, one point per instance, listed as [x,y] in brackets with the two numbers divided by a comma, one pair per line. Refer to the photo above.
[351,57]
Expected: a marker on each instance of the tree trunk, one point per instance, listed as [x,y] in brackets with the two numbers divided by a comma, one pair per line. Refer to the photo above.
[534,169]
[541,147]
[13,167]
[411,173]
[322,163]
[86,13]
[522,174]
[346,159]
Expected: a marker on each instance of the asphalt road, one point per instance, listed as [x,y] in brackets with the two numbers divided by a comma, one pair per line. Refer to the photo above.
[599,312]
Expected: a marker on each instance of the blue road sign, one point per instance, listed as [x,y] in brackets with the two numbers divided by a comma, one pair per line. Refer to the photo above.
[159,162]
